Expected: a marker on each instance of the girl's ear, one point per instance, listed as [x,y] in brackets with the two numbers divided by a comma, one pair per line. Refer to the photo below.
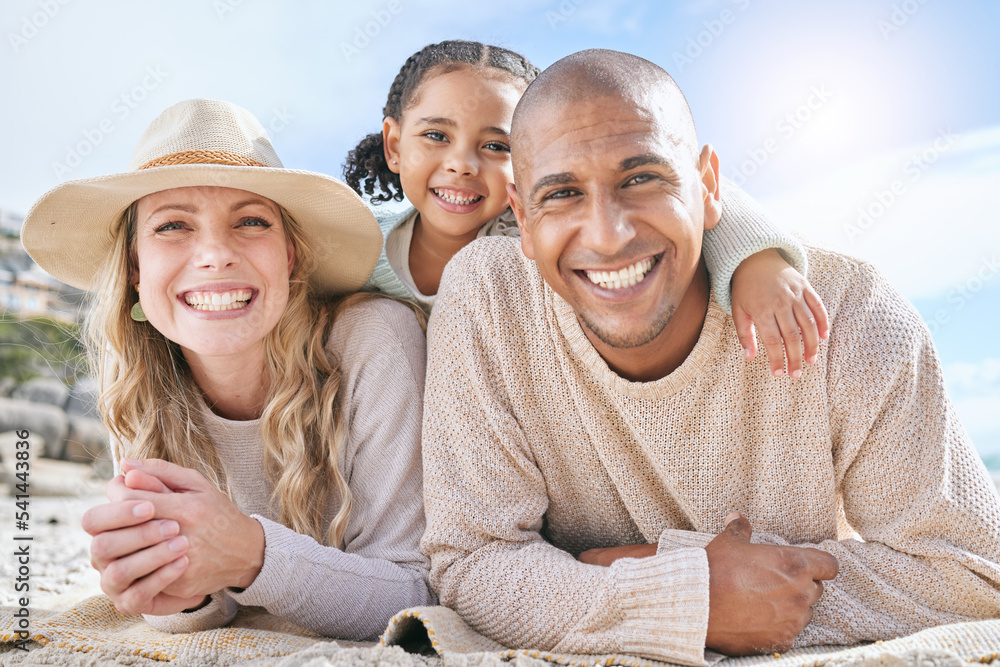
[390,143]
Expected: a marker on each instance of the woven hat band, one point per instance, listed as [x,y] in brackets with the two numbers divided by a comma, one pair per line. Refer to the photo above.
[202,157]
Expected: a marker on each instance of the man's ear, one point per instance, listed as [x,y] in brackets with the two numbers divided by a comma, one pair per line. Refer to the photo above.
[390,143]
[527,243]
[708,166]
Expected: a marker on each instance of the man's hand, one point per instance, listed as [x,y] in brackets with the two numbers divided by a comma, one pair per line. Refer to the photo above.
[609,555]
[760,596]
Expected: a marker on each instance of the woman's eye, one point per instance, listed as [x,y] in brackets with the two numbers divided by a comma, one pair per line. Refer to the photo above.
[168,226]
[434,135]
[498,146]
[255,222]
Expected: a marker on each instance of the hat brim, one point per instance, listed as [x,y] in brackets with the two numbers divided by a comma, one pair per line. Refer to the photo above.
[68,231]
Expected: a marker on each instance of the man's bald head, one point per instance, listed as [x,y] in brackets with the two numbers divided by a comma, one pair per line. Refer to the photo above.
[594,73]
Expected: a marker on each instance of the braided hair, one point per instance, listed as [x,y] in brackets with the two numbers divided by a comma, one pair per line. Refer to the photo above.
[365,169]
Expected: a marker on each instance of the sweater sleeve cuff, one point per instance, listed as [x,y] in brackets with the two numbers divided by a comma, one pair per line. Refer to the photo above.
[671,539]
[744,230]
[219,611]
[655,607]
[270,580]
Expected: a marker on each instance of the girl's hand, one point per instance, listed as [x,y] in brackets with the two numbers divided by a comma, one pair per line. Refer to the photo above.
[137,555]
[225,546]
[768,292]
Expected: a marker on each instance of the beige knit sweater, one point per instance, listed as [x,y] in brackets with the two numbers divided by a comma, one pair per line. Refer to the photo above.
[534,451]
[353,591]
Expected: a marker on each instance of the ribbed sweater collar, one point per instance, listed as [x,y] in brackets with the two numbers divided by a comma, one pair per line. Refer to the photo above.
[581,349]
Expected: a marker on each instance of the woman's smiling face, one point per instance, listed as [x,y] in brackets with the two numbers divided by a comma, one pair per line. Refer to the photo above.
[212,266]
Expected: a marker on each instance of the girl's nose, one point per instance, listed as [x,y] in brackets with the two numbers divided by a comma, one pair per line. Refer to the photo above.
[462,161]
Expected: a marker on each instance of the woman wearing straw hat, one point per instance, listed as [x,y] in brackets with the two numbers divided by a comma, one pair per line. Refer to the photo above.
[268,436]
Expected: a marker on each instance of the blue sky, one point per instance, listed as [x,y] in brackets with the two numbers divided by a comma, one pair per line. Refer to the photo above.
[873,126]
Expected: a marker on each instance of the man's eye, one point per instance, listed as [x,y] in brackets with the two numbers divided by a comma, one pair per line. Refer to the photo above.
[435,135]
[562,193]
[639,179]
[498,146]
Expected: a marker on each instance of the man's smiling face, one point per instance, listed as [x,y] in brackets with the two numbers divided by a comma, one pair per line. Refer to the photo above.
[612,205]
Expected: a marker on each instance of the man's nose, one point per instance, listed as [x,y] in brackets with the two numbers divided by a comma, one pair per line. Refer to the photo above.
[608,226]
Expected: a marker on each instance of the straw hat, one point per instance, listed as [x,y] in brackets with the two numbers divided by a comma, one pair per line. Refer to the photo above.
[68,231]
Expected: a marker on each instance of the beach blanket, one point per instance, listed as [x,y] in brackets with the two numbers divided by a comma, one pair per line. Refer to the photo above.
[94,633]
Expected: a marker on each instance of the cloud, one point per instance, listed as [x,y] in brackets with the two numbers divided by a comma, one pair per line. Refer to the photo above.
[918,213]
[975,391]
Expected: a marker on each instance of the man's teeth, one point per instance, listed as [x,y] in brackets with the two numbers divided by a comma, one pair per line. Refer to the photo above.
[453,197]
[626,277]
[218,300]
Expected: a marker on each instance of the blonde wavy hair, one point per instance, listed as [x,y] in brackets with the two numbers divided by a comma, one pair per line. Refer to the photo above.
[152,406]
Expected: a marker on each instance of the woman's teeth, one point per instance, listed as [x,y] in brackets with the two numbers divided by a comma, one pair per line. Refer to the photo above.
[626,277]
[453,197]
[218,300]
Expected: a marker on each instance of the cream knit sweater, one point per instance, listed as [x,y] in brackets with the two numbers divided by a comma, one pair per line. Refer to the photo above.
[534,451]
[351,592]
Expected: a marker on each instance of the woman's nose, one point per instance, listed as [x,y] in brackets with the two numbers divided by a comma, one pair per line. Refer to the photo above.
[216,250]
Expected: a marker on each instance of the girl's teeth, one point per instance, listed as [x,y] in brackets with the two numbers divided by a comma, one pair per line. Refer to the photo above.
[217,301]
[630,275]
[451,198]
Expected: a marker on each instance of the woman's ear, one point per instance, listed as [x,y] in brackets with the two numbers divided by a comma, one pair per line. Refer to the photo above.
[390,143]
[708,167]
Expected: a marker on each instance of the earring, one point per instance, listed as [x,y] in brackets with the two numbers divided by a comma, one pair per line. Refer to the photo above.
[136,313]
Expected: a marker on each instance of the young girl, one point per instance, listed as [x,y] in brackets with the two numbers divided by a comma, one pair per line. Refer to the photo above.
[268,435]
[445,146]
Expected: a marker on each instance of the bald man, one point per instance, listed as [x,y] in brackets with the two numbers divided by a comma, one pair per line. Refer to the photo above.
[606,473]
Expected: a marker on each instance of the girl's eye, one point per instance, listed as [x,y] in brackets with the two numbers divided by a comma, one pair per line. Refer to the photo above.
[498,146]
[434,135]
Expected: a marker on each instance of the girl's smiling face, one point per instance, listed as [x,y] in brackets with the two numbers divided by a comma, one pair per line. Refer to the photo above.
[452,149]
[212,265]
